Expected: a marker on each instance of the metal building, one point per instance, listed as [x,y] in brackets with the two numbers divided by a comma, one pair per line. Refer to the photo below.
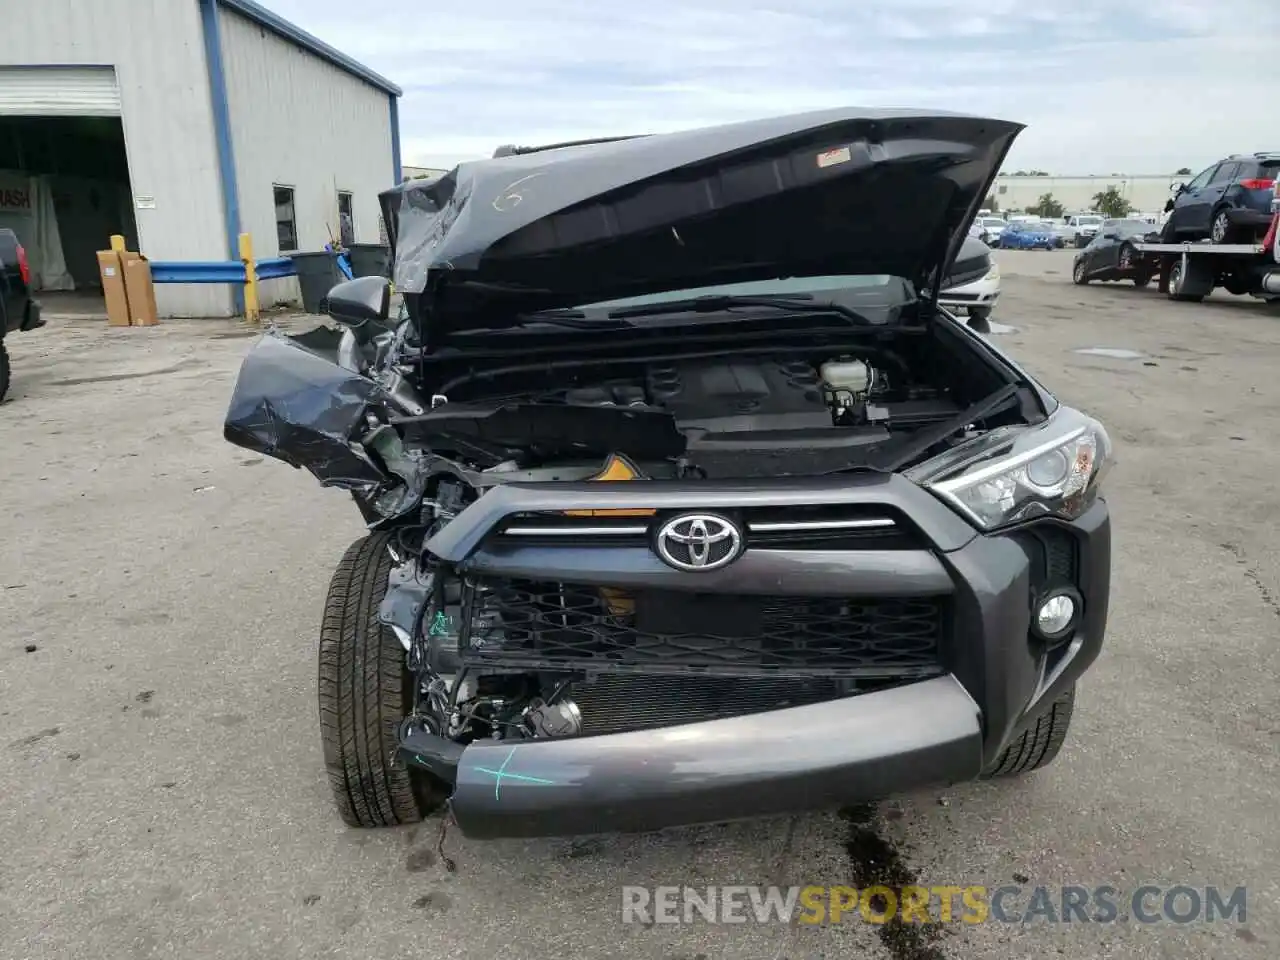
[1146,193]
[180,124]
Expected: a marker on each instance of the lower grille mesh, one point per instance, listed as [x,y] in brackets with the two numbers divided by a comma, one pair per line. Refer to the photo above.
[520,623]
[614,704]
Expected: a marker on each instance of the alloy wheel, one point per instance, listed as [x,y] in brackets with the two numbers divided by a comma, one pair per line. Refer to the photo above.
[1219,229]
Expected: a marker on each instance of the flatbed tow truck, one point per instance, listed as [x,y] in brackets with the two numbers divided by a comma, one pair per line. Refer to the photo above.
[1190,271]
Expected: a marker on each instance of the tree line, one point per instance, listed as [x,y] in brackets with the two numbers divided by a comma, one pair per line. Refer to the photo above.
[1109,203]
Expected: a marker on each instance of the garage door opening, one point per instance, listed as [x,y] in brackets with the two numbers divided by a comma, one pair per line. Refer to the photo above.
[64,189]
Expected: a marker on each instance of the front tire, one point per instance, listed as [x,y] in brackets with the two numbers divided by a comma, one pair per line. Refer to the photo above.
[979,319]
[1079,275]
[1036,747]
[4,370]
[365,691]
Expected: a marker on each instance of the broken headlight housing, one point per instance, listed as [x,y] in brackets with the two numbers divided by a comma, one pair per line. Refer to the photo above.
[1010,476]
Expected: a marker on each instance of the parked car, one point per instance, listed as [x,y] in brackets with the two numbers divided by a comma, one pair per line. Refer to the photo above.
[1228,202]
[1063,232]
[18,310]
[659,539]
[976,297]
[1026,235]
[1111,254]
[992,227]
[1051,227]
[1083,227]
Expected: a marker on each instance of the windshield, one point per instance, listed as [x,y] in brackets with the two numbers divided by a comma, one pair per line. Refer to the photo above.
[992,222]
[1088,221]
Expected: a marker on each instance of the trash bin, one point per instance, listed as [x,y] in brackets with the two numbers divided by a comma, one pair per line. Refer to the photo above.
[318,273]
[368,259]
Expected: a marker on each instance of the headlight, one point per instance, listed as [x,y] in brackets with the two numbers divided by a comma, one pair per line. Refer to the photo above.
[994,272]
[1051,470]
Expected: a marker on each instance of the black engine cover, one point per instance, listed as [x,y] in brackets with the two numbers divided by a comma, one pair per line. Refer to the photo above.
[708,394]
[756,418]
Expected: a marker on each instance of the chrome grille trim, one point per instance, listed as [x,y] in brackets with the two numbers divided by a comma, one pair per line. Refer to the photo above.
[797,526]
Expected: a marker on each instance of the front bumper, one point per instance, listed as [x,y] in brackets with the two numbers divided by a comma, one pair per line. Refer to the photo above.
[804,758]
[980,293]
[996,677]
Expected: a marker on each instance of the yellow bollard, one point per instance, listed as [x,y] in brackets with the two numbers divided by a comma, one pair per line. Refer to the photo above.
[117,243]
[251,311]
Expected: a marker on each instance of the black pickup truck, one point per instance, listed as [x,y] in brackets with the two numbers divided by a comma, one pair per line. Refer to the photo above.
[18,311]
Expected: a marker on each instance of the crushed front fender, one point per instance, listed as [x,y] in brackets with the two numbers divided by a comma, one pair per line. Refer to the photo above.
[294,402]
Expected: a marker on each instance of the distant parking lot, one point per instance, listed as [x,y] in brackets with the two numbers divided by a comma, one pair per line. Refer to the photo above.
[164,794]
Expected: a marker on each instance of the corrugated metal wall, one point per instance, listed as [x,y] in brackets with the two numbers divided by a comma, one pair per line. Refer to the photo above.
[300,122]
[157,50]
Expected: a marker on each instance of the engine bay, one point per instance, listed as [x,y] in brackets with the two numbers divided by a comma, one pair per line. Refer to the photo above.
[721,418]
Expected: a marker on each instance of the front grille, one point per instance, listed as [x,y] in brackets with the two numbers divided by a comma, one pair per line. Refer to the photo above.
[613,704]
[521,624]
[799,527]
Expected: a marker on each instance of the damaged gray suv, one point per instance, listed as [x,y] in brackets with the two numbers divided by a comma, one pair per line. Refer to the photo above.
[686,501]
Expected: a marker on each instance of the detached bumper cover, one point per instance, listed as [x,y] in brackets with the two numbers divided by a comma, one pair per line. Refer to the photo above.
[803,758]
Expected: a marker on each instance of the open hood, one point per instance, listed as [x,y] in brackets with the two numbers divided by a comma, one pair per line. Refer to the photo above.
[845,191]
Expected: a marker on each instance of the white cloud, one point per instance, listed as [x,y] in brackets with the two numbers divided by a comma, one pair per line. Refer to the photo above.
[1103,85]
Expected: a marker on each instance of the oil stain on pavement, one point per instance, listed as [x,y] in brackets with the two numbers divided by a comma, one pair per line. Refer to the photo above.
[875,862]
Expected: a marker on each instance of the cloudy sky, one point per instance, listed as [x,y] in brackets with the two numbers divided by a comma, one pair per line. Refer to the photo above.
[1105,86]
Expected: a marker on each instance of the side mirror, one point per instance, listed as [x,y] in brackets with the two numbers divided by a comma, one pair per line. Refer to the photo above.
[363,305]
[1178,188]
[1111,236]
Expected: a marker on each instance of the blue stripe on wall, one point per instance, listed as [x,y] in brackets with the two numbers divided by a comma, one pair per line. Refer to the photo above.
[395,138]
[222,133]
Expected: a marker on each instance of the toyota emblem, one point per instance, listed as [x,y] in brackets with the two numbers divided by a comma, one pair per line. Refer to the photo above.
[699,541]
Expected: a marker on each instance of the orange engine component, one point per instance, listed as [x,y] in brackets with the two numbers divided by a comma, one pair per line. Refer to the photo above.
[617,467]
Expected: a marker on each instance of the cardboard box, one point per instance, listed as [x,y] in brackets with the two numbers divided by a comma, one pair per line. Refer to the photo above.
[111,272]
[139,289]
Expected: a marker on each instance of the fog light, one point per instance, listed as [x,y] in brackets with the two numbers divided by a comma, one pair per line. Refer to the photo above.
[1056,615]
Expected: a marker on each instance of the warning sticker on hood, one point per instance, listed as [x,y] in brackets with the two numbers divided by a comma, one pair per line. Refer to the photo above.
[831,157]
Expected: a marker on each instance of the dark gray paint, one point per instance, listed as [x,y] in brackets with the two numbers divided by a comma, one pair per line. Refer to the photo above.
[802,758]
[942,526]
[815,573]
[932,732]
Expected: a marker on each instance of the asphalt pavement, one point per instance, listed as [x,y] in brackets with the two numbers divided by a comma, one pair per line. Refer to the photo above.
[162,793]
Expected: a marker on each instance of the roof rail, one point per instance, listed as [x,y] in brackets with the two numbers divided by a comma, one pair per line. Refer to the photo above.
[510,150]
[1266,154]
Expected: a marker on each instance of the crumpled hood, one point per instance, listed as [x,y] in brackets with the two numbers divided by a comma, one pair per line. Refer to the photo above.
[845,191]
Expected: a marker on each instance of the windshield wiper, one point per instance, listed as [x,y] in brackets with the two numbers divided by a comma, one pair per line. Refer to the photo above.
[714,303]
